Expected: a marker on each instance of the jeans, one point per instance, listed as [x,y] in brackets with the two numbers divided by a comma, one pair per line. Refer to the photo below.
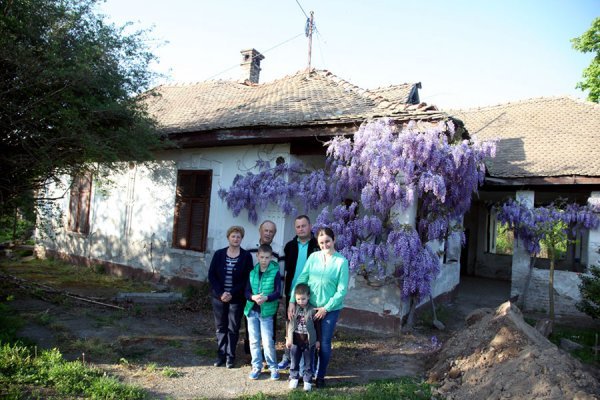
[321,362]
[298,354]
[260,329]
[228,318]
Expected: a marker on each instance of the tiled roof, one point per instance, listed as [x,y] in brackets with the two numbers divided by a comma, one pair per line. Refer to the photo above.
[403,93]
[543,137]
[298,100]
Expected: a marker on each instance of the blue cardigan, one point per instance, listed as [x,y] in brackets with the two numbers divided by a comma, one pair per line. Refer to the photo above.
[241,271]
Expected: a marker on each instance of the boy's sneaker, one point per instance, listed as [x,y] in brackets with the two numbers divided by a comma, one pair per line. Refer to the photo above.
[274,375]
[307,386]
[293,384]
[284,364]
[254,374]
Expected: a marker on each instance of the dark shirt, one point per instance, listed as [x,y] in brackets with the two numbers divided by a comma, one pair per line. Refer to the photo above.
[217,274]
[291,258]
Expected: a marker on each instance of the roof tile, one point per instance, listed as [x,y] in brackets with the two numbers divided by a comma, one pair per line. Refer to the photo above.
[297,100]
[542,137]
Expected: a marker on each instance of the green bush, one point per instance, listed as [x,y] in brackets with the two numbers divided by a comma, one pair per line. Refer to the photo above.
[590,292]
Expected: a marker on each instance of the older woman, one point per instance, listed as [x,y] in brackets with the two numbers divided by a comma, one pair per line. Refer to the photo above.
[326,273]
[228,275]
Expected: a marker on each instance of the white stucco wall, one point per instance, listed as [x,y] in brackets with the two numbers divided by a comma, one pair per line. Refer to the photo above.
[566,292]
[131,223]
[131,220]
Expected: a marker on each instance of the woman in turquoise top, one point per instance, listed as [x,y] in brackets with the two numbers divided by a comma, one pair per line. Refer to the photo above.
[326,273]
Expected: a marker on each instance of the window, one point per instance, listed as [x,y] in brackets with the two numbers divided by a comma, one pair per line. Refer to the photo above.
[192,202]
[79,203]
[500,239]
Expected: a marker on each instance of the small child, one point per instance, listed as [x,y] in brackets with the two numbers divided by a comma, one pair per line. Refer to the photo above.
[263,292]
[303,337]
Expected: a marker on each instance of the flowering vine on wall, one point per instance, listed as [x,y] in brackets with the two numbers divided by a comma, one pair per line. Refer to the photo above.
[368,179]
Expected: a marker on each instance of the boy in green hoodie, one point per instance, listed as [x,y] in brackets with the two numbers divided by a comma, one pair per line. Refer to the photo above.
[263,292]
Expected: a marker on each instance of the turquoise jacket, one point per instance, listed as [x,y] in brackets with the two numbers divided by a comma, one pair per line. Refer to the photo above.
[328,283]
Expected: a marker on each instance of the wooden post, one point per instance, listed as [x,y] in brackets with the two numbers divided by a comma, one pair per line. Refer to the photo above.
[310,32]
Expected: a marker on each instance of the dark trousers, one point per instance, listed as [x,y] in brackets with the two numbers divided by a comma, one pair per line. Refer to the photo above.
[228,318]
[297,352]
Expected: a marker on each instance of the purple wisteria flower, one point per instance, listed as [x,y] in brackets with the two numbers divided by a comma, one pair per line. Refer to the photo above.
[370,178]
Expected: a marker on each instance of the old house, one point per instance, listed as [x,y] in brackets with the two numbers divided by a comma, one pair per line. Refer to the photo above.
[548,148]
[167,220]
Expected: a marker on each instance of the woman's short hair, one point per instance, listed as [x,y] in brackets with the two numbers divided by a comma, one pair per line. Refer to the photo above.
[326,231]
[237,229]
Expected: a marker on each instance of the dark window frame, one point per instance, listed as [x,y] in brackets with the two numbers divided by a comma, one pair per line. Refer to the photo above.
[187,198]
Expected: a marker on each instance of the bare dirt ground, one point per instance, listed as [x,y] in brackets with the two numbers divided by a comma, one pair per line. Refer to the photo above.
[499,356]
[169,348]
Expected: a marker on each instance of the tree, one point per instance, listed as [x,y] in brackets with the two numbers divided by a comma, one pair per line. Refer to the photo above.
[589,42]
[549,226]
[369,180]
[72,93]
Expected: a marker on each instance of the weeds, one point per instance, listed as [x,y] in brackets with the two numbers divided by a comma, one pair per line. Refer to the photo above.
[93,348]
[19,369]
[583,336]
[204,349]
[170,372]
[61,276]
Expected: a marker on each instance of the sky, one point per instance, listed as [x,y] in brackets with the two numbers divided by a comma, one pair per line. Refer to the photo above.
[465,53]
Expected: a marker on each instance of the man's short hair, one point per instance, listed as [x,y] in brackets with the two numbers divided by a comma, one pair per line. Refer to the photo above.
[302,288]
[302,217]
[265,248]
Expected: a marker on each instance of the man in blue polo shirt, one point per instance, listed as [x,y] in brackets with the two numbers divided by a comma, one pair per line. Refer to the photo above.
[296,251]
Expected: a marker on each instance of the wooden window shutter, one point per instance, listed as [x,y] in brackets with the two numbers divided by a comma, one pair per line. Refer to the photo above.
[192,206]
[79,203]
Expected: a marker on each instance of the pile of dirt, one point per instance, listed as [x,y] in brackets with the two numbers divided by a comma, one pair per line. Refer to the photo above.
[499,356]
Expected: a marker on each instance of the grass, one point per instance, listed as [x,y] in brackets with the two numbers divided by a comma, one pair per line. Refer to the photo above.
[204,348]
[62,276]
[403,388]
[20,370]
[583,336]
[25,374]
[170,372]
[425,317]
[93,348]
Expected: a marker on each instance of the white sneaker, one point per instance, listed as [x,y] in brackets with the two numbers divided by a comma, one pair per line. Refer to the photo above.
[307,386]
[293,384]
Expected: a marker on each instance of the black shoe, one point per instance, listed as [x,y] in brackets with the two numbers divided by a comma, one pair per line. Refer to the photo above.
[219,362]
[320,382]
[230,362]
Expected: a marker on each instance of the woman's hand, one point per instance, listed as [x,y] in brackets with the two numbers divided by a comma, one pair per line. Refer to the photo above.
[321,312]
[226,297]
[291,310]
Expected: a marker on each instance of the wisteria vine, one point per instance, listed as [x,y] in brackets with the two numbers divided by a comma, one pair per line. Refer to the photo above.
[370,178]
[532,225]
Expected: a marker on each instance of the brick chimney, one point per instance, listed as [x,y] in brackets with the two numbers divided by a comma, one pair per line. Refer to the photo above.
[251,59]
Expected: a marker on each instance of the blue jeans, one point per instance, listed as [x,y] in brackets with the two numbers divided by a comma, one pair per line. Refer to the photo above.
[321,361]
[260,329]
[300,357]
